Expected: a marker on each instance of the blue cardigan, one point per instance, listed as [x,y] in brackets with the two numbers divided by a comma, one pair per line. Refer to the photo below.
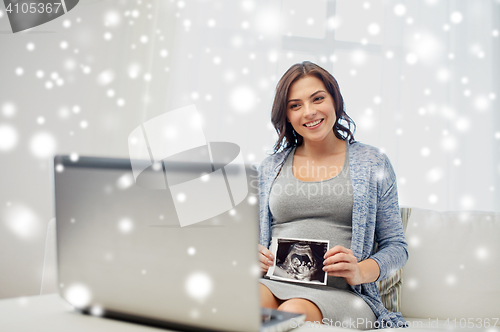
[375,218]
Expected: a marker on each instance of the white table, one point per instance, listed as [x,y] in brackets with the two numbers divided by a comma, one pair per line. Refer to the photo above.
[50,313]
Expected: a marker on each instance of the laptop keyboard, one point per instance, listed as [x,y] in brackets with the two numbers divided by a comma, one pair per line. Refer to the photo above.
[278,321]
[268,317]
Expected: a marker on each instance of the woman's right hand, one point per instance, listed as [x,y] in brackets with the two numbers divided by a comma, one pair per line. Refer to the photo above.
[266,259]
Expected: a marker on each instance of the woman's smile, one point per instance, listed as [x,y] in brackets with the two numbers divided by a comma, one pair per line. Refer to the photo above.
[313,124]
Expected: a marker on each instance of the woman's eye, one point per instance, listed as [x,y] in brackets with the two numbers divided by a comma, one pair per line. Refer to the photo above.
[294,106]
[319,98]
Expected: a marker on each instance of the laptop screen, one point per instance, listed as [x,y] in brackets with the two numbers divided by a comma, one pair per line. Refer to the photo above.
[123,247]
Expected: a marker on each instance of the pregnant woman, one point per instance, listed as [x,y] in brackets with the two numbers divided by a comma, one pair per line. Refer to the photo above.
[321,184]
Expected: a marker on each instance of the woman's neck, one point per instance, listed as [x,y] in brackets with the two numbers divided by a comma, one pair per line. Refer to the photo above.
[317,150]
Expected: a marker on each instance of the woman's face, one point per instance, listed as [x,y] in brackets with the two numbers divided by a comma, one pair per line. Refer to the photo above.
[310,109]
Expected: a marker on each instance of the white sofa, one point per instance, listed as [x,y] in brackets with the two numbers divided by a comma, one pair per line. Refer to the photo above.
[451,280]
[452,277]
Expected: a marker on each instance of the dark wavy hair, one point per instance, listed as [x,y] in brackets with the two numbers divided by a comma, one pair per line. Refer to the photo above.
[287,137]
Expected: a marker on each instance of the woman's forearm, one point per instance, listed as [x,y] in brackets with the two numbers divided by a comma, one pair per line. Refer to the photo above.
[369,270]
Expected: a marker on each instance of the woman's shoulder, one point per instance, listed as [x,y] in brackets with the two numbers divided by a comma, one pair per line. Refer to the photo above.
[367,157]
[362,152]
[273,160]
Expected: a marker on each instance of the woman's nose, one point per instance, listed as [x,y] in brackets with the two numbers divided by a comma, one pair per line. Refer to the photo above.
[309,111]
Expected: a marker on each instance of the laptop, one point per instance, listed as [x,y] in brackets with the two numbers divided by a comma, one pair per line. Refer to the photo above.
[124,252]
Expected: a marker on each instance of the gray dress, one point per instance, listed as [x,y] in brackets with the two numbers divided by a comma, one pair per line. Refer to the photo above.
[318,210]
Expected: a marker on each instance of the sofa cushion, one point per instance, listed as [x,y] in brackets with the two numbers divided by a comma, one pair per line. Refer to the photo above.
[453,270]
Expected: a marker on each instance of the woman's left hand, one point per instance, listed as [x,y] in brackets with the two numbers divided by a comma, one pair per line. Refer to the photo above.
[340,262]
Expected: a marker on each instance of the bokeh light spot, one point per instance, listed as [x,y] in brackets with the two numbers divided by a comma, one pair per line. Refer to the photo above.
[8,137]
[199,286]
[78,295]
[243,99]
[126,225]
[43,145]
[399,10]
[22,221]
